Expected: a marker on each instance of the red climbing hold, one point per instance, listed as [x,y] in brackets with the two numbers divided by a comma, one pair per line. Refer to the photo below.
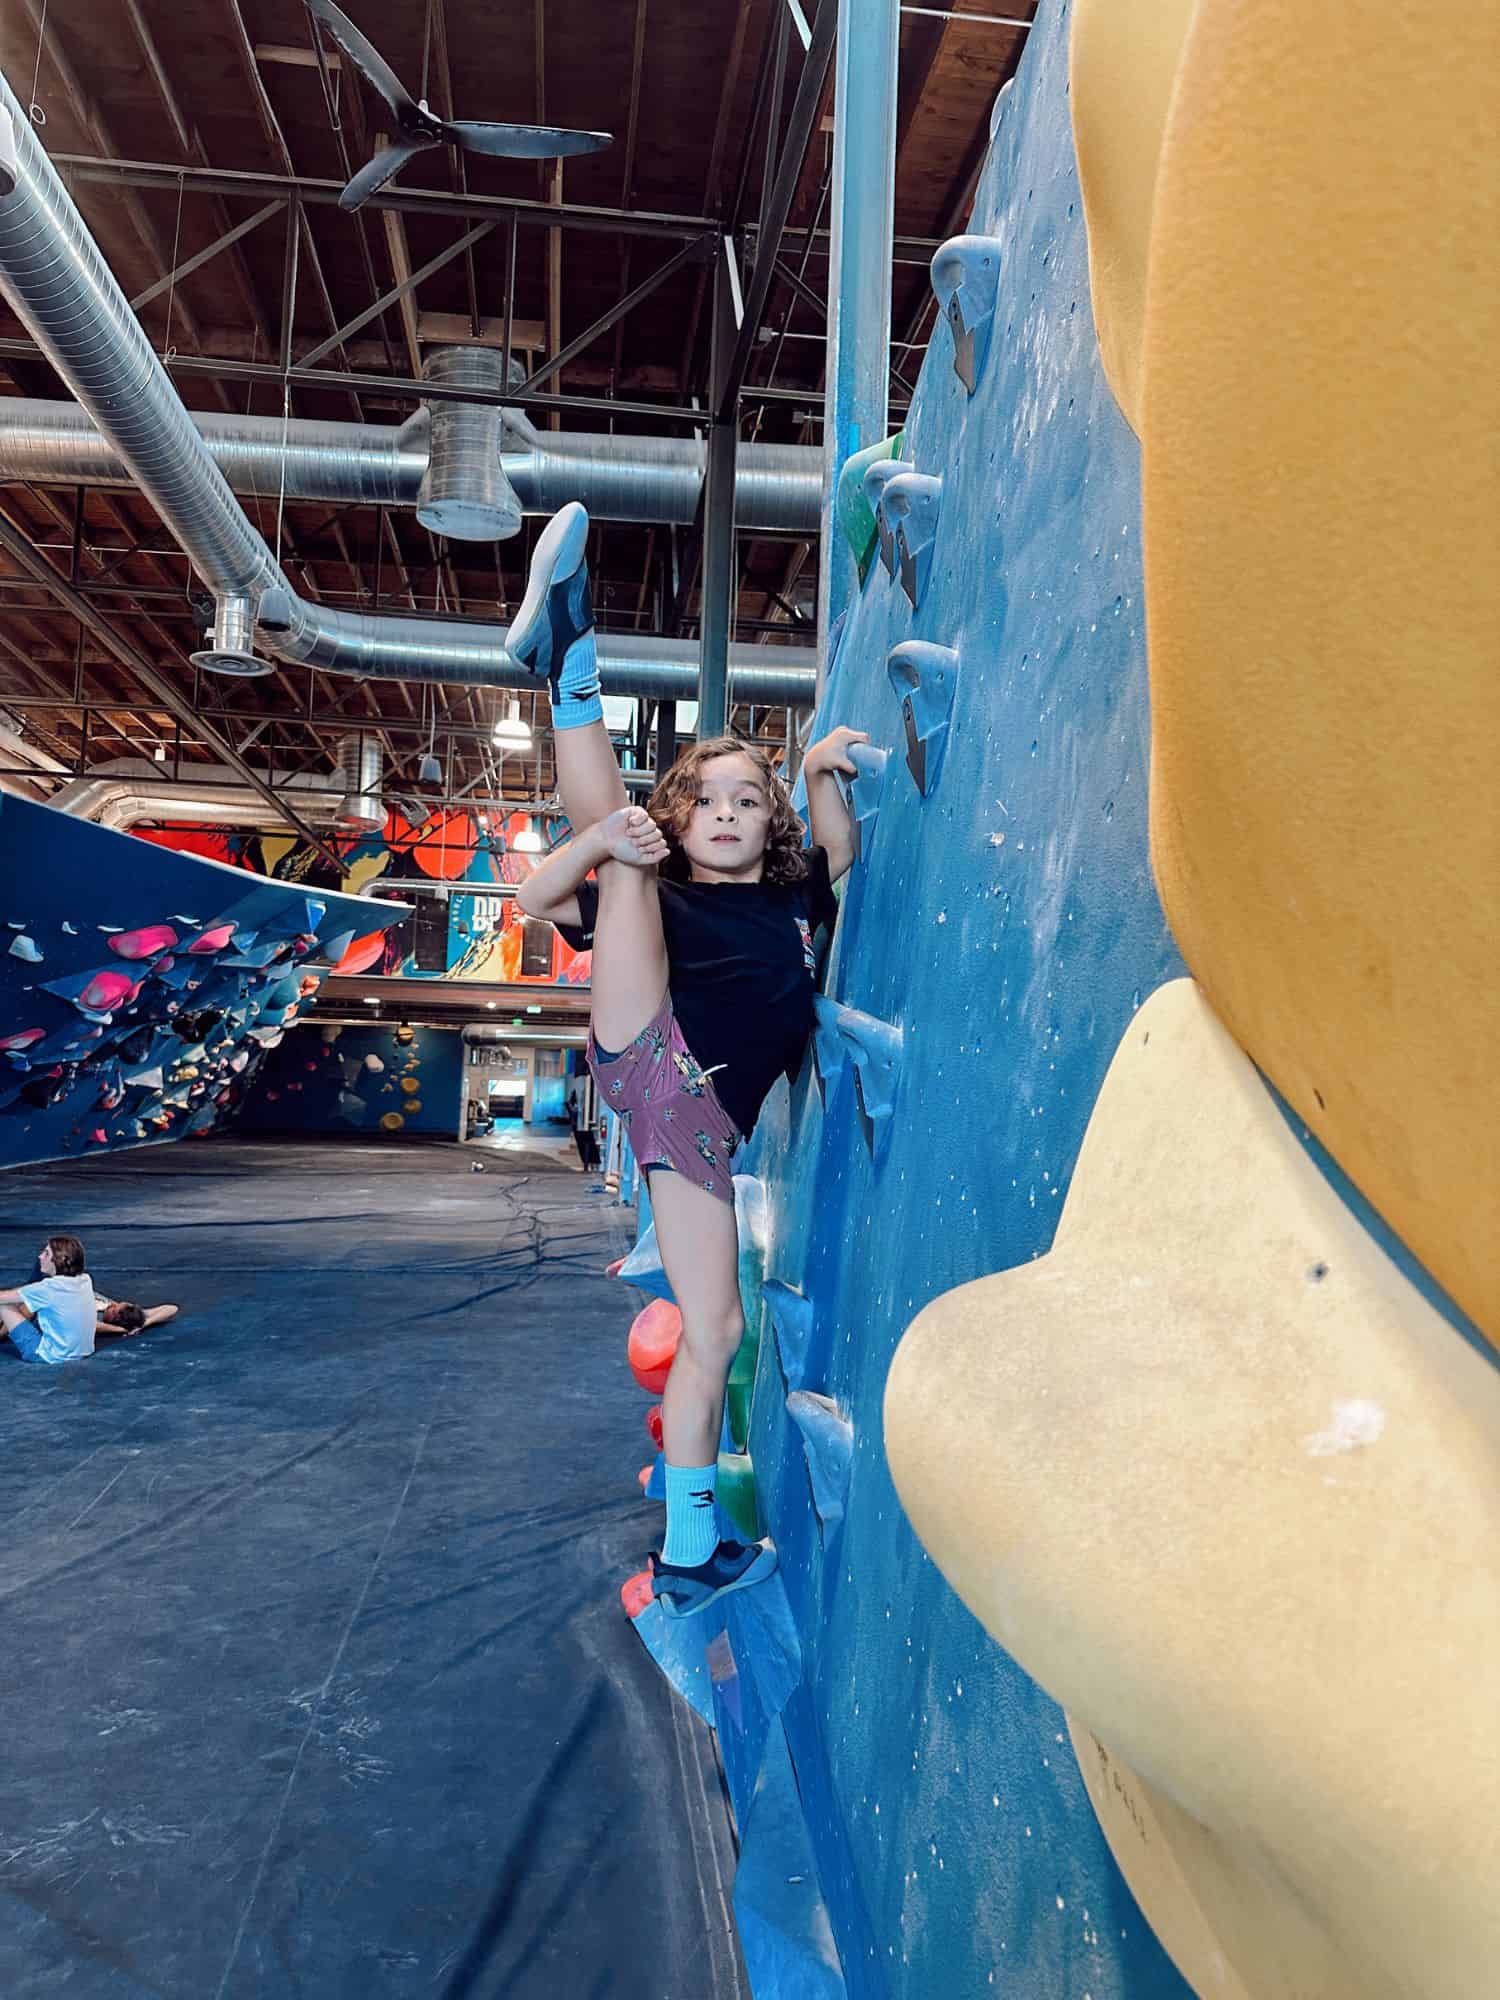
[653,1425]
[635,1594]
[614,1270]
[652,1347]
[98,1137]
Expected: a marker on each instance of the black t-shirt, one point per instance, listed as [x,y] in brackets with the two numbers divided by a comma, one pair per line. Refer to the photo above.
[742,968]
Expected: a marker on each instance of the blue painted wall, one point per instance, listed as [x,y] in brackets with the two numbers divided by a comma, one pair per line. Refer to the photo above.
[141,988]
[1008,926]
[326,1080]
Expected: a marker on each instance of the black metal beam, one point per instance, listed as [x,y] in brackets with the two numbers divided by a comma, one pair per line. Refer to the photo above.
[403,388]
[433,201]
[407,201]
[689,252]
[38,568]
[362,320]
[810,87]
[196,263]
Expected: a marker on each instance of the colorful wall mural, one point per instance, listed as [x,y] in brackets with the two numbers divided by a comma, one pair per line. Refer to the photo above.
[141,988]
[384,1082]
[474,932]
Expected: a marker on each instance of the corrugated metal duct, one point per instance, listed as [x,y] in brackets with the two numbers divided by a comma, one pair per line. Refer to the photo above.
[67,297]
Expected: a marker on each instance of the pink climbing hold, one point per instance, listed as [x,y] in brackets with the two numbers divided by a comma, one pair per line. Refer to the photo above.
[144,943]
[23,1039]
[107,990]
[652,1347]
[99,1137]
[212,940]
[643,1477]
[614,1270]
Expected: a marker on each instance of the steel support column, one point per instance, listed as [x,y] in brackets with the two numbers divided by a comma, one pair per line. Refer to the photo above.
[862,215]
[718,586]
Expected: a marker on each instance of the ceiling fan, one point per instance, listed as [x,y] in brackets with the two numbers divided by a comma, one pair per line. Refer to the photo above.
[419,128]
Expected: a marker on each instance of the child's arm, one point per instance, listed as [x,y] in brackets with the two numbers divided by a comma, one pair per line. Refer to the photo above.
[832,829]
[630,835]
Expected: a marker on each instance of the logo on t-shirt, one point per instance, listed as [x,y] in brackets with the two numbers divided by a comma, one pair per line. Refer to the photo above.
[809,956]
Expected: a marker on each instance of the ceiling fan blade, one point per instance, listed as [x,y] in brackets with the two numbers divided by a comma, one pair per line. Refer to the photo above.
[522,142]
[384,167]
[364,55]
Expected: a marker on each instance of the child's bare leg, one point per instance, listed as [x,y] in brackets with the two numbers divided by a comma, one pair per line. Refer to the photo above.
[156,1316]
[11,1316]
[588,775]
[699,1245]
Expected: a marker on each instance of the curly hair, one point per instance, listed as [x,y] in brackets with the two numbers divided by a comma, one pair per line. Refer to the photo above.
[671,806]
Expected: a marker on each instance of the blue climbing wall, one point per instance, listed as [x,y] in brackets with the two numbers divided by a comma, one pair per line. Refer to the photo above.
[387,1082]
[1006,925]
[141,988]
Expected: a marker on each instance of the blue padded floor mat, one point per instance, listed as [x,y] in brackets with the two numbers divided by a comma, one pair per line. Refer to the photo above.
[316,1677]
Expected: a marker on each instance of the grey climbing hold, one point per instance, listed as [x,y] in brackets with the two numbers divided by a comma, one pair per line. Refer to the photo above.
[912,502]
[966,282]
[925,678]
[25,947]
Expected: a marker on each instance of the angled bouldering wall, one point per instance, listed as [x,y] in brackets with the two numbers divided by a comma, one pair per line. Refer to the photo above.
[140,988]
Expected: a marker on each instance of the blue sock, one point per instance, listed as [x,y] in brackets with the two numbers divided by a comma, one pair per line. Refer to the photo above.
[575,692]
[692,1523]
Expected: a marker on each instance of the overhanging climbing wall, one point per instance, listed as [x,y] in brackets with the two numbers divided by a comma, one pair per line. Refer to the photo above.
[140,988]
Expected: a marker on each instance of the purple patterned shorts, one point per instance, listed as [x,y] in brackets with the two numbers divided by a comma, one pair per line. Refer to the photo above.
[668,1105]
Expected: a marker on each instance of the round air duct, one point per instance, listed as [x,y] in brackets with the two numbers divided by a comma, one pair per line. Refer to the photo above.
[464,491]
[230,648]
[358,767]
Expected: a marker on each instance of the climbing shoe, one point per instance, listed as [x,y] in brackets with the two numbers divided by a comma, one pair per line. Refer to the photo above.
[682,1593]
[557,610]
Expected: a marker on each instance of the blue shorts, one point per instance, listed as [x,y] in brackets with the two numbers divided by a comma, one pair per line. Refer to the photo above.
[26,1339]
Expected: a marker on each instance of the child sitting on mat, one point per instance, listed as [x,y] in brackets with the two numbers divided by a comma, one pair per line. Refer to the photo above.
[702,925]
[52,1319]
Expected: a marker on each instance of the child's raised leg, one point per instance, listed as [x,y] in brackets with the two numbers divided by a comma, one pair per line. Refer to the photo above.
[553,635]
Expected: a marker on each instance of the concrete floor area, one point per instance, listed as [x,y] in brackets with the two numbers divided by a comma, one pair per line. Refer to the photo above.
[316,1677]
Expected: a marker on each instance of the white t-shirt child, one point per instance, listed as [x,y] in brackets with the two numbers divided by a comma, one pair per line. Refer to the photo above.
[65,1311]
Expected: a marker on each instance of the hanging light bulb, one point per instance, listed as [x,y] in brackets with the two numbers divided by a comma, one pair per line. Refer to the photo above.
[430,770]
[512,729]
[159,754]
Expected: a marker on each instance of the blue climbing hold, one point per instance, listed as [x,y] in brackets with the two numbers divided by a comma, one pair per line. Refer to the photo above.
[862,794]
[911,504]
[828,1445]
[925,678]
[877,478]
[793,1318]
[966,282]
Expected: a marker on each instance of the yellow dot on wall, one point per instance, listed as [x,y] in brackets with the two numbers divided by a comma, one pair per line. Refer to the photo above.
[414,1105]
[410,1085]
[391,1121]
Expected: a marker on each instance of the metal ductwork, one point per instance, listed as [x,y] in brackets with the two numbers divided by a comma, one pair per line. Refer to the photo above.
[126,790]
[68,299]
[358,765]
[655,481]
[464,491]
